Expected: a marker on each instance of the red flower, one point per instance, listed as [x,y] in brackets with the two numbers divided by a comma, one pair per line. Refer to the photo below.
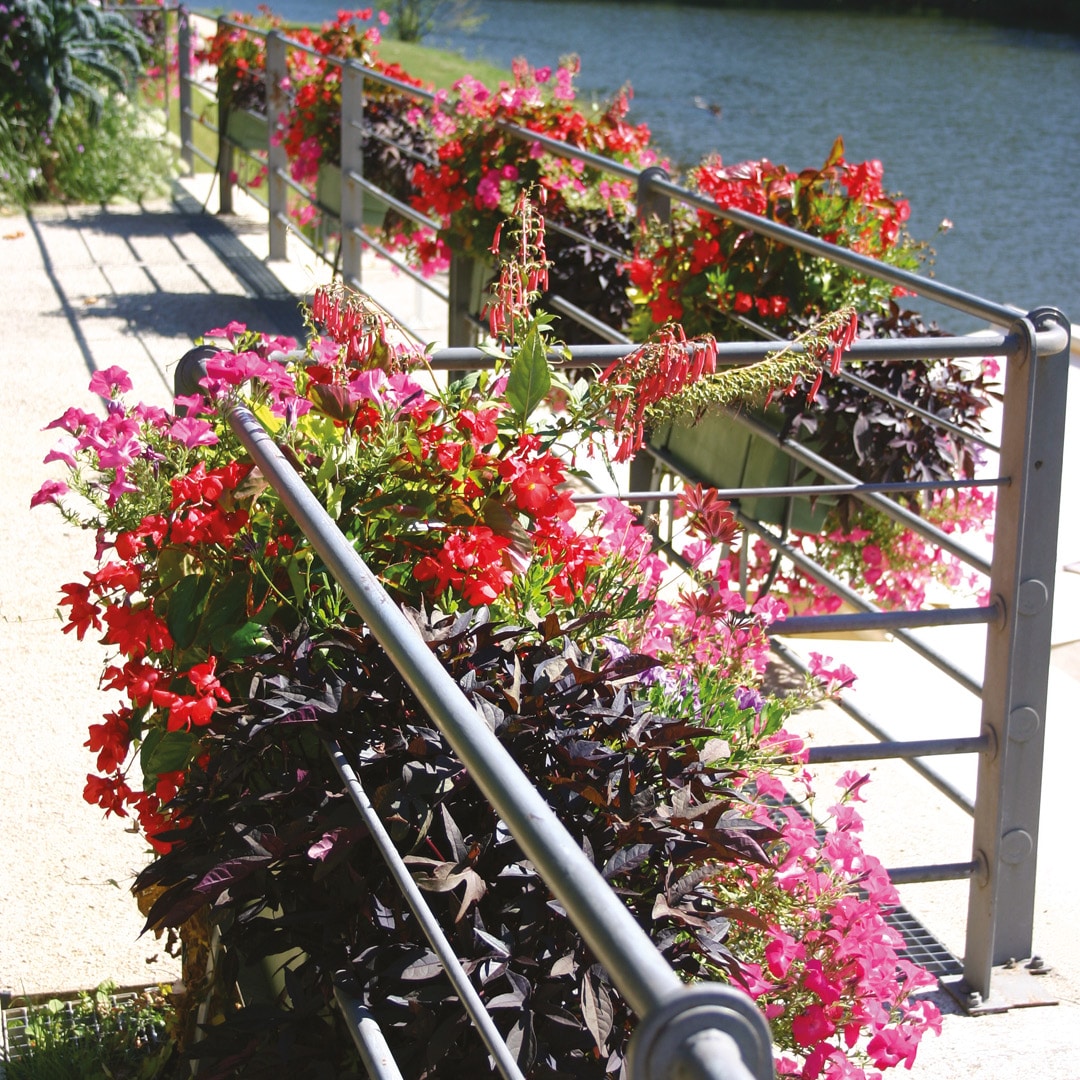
[136,630]
[84,612]
[111,740]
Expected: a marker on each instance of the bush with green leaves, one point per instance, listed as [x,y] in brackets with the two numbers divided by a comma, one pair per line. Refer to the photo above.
[70,122]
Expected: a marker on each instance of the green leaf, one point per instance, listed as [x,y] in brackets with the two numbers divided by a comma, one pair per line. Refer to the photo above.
[226,609]
[185,606]
[530,378]
[166,751]
[247,640]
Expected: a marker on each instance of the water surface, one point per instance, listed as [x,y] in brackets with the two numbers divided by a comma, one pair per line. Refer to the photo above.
[976,125]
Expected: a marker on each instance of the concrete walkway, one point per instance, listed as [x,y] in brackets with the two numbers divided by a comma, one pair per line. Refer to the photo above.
[82,289]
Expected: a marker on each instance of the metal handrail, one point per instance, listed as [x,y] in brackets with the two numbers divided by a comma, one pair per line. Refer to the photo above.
[1021,571]
[637,969]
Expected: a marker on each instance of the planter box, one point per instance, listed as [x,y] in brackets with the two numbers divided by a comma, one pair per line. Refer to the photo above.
[328,197]
[247,131]
[719,451]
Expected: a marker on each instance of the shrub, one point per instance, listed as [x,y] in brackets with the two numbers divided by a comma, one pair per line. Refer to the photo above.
[72,127]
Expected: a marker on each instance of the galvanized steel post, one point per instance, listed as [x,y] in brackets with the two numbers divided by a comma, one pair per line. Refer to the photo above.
[277,158]
[352,164]
[1001,901]
[183,47]
[224,155]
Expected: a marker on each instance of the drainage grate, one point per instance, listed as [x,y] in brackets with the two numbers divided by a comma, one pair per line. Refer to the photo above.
[921,947]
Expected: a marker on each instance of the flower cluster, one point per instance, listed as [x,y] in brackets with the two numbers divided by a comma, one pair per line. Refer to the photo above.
[886,561]
[713,275]
[840,996]
[458,497]
[481,166]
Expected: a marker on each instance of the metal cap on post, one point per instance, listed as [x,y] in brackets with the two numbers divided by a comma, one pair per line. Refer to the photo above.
[651,203]
[708,1032]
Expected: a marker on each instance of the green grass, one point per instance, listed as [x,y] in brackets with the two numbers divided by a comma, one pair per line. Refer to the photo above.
[439,67]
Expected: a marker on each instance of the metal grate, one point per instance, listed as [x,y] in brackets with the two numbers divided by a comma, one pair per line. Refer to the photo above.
[921,947]
[72,1022]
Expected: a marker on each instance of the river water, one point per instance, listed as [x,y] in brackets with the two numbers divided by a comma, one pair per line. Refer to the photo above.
[978,126]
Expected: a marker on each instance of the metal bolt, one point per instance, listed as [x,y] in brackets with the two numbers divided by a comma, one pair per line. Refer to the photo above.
[1010,963]
[974,999]
[1038,966]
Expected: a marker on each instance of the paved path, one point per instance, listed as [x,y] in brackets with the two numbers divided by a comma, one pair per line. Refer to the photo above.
[82,289]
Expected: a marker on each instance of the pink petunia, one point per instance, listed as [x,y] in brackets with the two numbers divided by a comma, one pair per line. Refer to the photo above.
[111,382]
[50,491]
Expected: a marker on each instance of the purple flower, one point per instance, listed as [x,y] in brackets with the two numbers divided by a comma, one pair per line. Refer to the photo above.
[746,698]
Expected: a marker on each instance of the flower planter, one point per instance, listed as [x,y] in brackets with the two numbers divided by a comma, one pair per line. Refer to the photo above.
[247,131]
[328,197]
[721,452]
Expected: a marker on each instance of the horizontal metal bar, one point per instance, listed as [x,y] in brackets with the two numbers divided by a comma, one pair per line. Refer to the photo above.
[636,967]
[191,114]
[204,158]
[570,153]
[913,875]
[590,322]
[405,268]
[404,209]
[370,1042]
[844,702]
[884,751]
[997,314]
[908,518]
[916,410]
[573,234]
[455,972]
[792,490]
[730,353]
[801,625]
[804,562]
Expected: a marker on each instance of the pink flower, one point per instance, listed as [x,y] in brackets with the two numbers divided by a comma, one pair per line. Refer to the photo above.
[191,432]
[111,382]
[781,950]
[813,1026]
[50,491]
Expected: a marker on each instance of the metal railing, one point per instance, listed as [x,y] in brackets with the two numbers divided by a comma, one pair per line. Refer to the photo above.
[1013,690]
[709,1031]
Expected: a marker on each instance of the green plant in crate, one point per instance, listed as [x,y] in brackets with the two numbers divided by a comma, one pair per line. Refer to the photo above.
[101,1035]
[72,126]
